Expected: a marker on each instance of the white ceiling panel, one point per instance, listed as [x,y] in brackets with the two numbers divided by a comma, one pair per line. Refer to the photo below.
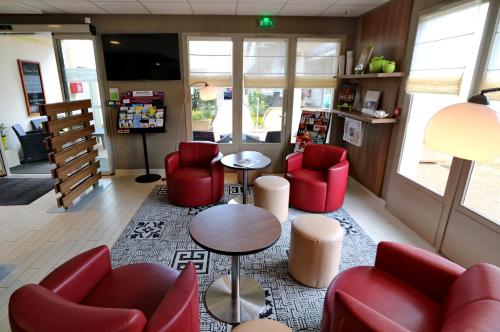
[44,8]
[17,8]
[120,7]
[168,8]
[361,2]
[347,10]
[312,2]
[262,1]
[259,8]
[81,7]
[303,10]
[213,8]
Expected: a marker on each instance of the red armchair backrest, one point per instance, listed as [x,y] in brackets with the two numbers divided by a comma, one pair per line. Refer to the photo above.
[197,154]
[322,156]
[473,300]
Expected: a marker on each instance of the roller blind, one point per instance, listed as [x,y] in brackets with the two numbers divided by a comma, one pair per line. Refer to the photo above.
[445,47]
[491,78]
[210,60]
[264,63]
[316,63]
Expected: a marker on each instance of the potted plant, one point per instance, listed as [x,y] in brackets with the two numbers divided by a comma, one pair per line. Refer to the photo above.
[3,134]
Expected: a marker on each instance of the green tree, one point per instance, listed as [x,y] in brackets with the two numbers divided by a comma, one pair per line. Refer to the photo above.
[258,105]
[204,109]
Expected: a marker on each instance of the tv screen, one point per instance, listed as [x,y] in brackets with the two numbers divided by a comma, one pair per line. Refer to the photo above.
[136,57]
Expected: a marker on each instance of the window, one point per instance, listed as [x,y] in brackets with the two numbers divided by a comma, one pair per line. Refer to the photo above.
[483,190]
[444,56]
[211,60]
[315,69]
[264,83]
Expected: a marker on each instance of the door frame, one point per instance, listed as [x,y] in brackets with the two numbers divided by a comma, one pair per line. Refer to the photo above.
[107,121]
[273,149]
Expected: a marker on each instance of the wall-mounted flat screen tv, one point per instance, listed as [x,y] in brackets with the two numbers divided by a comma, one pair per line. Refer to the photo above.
[138,57]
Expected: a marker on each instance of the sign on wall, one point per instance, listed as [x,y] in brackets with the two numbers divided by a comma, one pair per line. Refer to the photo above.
[31,78]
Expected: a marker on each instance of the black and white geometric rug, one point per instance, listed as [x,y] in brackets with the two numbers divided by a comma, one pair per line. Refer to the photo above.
[159,233]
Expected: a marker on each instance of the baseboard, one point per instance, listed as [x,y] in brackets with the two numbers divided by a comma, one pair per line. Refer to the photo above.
[138,171]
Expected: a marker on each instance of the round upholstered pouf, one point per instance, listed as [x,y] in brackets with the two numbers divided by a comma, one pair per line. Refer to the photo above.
[315,248]
[271,193]
[261,325]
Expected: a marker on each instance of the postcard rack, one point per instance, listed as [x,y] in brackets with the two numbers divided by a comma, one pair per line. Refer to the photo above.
[72,147]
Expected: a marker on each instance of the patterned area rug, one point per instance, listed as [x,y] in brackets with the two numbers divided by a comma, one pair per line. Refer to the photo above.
[159,233]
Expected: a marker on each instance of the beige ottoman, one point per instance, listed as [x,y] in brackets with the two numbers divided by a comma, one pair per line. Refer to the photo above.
[261,325]
[271,193]
[315,248]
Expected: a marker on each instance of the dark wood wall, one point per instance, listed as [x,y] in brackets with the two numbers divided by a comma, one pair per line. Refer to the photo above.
[386,28]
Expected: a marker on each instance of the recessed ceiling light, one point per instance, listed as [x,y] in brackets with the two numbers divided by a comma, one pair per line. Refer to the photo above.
[157,63]
[114,42]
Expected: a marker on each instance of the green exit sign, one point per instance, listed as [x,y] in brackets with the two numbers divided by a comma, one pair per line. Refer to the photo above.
[265,22]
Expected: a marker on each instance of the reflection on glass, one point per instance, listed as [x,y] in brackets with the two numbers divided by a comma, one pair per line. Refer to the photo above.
[262,115]
[212,119]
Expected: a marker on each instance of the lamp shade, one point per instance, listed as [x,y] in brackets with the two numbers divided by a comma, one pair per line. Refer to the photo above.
[466,130]
[208,92]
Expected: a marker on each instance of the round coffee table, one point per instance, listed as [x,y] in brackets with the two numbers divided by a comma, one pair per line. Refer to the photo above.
[235,230]
[255,160]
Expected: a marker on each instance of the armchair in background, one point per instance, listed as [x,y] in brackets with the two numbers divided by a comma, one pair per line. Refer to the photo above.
[318,177]
[195,175]
[32,143]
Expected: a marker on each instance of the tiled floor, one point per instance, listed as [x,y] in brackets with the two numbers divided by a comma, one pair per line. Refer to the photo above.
[37,241]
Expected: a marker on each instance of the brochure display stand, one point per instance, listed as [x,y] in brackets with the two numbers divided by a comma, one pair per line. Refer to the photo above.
[142,112]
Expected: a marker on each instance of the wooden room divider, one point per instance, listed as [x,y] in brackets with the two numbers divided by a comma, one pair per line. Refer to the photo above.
[72,147]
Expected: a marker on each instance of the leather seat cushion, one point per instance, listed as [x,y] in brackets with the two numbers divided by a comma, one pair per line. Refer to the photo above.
[308,176]
[388,296]
[137,286]
[194,174]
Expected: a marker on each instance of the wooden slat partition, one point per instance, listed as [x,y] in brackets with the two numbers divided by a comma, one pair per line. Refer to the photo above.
[72,148]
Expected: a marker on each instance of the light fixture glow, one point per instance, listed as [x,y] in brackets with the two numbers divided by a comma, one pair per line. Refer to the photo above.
[466,130]
[114,42]
[208,92]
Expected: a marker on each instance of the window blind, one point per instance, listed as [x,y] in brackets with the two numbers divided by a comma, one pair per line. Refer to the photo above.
[210,60]
[316,63]
[444,48]
[264,63]
[491,78]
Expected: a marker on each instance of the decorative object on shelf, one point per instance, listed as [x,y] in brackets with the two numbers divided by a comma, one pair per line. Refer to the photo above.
[397,112]
[349,63]
[363,60]
[377,63]
[389,67]
[466,130]
[353,131]
[371,102]
[347,94]
[341,70]
[313,128]
[380,114]
[31,78]
[3,134]
[114,94]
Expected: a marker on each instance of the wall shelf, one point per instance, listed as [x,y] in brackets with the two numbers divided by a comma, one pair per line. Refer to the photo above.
[357,115]
[376,75]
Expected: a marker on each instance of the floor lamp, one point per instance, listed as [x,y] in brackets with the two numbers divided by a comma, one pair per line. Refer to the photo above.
[468,130]
[207,93]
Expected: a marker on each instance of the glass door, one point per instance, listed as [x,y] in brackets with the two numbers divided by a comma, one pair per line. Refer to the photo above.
[80,80]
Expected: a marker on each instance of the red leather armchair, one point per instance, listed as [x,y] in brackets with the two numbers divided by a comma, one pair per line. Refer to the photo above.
[85,294]
[410,289]
[195,175]
[318,177]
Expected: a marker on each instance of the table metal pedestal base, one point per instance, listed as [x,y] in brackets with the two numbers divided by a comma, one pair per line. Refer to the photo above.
[219,302]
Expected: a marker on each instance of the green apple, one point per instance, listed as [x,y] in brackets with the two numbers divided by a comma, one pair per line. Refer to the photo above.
[377,63]
[389,67]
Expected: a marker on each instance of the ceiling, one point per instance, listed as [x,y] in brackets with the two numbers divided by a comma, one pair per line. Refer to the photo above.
[346,8]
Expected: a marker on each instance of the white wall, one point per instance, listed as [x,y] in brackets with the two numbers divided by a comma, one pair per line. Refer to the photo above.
[36,47]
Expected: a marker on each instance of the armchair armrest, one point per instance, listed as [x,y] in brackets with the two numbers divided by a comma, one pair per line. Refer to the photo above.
[216,159]
[353,315]
[337,174]
[172,162]
[293,162]
[178,311]
[34,308]
[74,279]
[427,272]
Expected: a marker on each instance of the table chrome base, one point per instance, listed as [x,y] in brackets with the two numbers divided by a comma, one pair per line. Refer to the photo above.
[219,302]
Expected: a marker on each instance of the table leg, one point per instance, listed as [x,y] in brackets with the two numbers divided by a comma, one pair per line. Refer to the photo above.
[245,185]
[235,288]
